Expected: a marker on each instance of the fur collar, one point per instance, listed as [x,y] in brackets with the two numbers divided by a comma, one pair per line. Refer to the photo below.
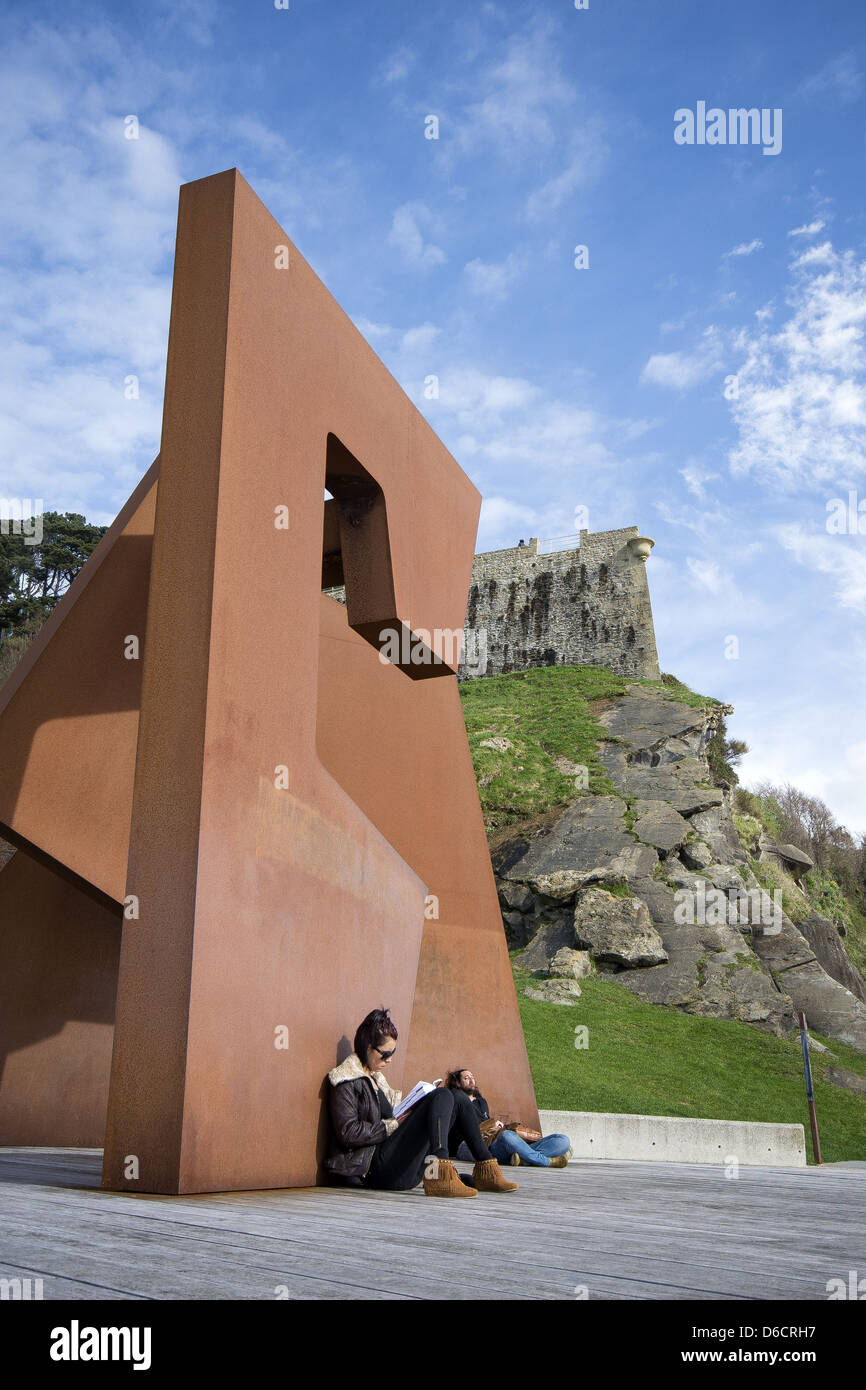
[351,1070]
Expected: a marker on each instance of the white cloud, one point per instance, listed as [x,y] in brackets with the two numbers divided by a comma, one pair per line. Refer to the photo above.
[696,478]
[588,152]
[524,109]
[801,412]
[473,394]
[398,66]
[371,329]
[493,279]
[816,255]
[808,228]
[840,78]
[519,102]
[855,758]
[502,519]
[197,19]
[509,426]
[745,248]
[679,371]
[515,430]
[419,339]
[709,575]
[407,237]
[789,743]
[704,522]
[87,225]
[703,593]
[673,369]
[841,557]
[263,139]
[504,522]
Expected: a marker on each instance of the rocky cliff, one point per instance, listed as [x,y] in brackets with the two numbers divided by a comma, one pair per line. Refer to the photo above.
[653,887]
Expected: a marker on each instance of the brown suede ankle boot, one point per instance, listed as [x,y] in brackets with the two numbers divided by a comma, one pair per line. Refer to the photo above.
[444,1180]
[489,1177]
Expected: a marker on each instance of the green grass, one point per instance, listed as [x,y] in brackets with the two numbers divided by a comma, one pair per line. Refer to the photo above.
[676,690]
[828,896]
[825,895]
[619,889]
[772,878]
[643,1059]
[546,713]
[763,810]
[855,941]
[829,899]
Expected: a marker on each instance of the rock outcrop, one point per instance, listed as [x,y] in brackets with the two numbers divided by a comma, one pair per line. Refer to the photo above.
[654,887]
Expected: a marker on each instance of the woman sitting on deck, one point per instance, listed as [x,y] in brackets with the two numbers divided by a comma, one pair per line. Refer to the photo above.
[372,1149]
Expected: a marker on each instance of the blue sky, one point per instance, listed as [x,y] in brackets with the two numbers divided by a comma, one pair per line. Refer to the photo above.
[559,388]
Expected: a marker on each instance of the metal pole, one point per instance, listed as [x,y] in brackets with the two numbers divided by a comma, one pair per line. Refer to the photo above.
[810,1095]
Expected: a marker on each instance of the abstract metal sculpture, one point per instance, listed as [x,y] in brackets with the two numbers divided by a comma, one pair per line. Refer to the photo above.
[233,811]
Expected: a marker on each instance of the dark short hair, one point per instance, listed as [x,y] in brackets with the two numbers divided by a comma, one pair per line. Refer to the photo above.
[377,1025]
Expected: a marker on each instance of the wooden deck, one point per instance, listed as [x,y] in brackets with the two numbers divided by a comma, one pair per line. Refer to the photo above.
[621,1230]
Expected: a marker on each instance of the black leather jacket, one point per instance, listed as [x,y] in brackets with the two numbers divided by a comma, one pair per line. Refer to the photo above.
[362,1116]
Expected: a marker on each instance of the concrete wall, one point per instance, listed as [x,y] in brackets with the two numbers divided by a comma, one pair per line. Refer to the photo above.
[663,1139]
[586,606]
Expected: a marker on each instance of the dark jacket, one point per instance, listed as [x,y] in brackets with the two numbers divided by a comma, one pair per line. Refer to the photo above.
[482,1112]
[362,1116]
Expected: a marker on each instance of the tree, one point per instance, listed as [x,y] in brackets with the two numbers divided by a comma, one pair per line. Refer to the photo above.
[723,753]
[34,577]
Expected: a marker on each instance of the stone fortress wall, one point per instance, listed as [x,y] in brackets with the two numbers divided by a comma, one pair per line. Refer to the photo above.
[589,606]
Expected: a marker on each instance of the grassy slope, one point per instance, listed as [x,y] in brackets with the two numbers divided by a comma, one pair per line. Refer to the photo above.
[642,1058]
[546,713]
[825,894]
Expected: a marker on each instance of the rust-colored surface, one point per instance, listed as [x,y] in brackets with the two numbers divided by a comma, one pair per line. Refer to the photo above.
[465,1011]
[289,800]
[69,710]
[59,948]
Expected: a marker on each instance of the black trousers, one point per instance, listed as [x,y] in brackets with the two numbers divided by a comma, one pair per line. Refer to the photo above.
[398,1163]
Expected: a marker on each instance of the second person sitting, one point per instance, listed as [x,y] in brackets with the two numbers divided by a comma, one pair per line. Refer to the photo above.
[370,1148]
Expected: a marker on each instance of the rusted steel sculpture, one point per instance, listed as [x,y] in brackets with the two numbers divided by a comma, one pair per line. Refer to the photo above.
[245,813]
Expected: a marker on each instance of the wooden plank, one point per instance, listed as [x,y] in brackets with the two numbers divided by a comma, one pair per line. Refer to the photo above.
[625,1230]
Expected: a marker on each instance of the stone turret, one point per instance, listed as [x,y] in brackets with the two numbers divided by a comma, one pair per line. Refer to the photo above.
[585,605]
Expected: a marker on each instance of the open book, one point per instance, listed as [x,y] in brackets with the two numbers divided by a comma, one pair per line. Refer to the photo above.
[418,1092]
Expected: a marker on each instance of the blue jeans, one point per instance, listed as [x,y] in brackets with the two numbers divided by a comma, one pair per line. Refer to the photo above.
[537,1155]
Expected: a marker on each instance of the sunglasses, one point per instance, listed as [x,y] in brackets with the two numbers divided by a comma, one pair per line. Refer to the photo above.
[385,1055]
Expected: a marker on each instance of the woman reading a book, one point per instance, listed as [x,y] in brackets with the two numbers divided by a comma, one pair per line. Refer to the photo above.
[373,1148]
